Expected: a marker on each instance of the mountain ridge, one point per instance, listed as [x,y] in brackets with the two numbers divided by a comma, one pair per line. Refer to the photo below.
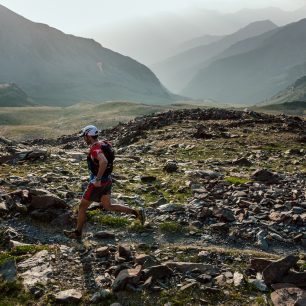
[176,71]
[56,68]
[257,74]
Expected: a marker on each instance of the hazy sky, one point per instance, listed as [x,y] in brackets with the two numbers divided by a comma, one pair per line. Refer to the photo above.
[73,16]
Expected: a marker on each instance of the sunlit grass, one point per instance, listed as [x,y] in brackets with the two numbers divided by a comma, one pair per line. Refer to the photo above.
[109,220]
[236,180]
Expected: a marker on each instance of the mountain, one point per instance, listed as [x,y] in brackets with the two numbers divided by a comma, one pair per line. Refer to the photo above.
[297,108]
[12,95]
[199,41]
[152,38]
[270,64]
[59,69]
[158,36]
[177,71]
[294,92]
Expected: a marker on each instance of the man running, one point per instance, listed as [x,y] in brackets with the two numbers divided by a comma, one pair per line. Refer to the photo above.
[100,185]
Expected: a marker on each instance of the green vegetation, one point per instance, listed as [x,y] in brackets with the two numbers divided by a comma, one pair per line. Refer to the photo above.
[191,296]
[18,253]
[187,257]
[302,265]
[110,220]
[13,293]
[170,227]
[136,226]
[46,121]
[236,180]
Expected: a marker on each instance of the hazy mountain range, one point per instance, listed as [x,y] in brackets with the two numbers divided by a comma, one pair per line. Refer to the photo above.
[176,72]
[58,69]
[153,38]
[254,69]
[45,66]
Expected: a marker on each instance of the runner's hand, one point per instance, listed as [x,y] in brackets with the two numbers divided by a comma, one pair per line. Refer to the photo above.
[97,184]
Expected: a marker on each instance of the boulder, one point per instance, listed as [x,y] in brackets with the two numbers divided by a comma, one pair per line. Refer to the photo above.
[238,279]
[265,176]
[102,251]
[288,297]
[37,269]
[146,260]
[259,264]
[157,272]
[171,207]
[259,284]
[275,271]
[242,162]
[68,296]
[125,277]
[124,252]
[170,166]
[42,199]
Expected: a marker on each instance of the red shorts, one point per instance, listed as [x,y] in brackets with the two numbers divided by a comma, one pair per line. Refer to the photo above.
[94,194]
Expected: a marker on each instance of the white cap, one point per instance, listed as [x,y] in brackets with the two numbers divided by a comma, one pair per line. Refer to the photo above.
[89,130]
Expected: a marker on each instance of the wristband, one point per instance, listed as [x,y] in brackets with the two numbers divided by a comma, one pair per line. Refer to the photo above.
[98,178]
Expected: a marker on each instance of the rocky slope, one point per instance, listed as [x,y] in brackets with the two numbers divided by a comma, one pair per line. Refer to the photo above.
[221,189]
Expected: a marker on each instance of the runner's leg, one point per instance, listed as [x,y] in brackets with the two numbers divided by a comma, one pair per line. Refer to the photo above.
[82,214]
[106,203]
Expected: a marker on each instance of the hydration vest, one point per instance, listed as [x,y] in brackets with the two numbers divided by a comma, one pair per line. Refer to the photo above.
[109,153]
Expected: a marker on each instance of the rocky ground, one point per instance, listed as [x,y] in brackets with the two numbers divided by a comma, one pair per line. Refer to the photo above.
[221,189]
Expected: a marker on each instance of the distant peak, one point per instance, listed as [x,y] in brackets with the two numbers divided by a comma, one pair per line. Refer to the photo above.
[265,21]
[260,23]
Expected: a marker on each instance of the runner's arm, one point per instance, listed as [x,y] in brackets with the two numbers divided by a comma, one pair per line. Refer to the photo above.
[102,164]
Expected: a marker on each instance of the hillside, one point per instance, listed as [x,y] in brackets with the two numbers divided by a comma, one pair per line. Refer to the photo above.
[224,193]
[176,71]
[266,67]
[12,95]
[294,92]
[54,68]
[291,108]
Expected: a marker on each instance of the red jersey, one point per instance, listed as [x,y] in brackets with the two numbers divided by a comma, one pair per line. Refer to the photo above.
[95,150]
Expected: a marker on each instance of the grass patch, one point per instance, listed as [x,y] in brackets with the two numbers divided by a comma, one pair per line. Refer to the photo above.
[170,227]
[136,226]
[149,197]
[193,296]
[302,266]
[110,220]
[188,257]
[13,293]
[271,147]
[18,252]
[236,180]
[261,300]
